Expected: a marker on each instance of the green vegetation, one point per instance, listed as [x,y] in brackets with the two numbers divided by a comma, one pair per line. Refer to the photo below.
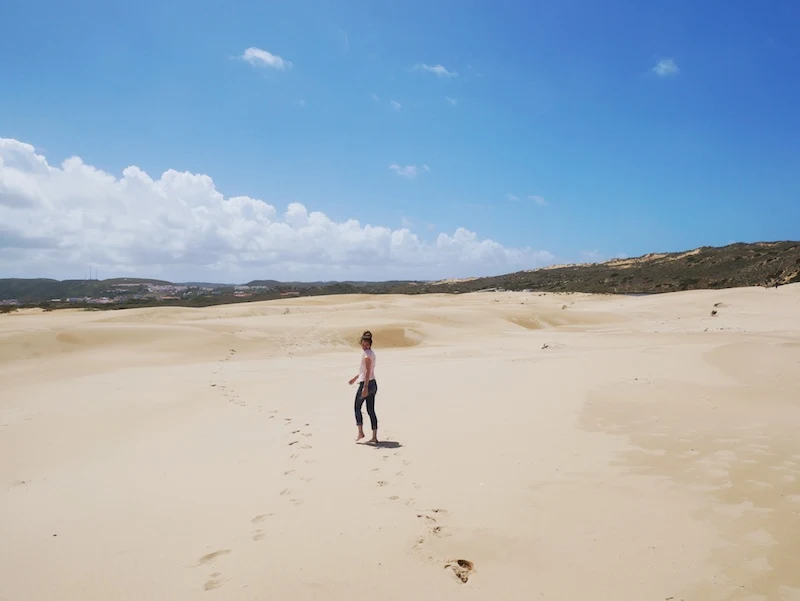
[757,264]
[38,290]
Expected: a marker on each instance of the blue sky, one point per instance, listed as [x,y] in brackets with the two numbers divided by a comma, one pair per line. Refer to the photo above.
[551,128]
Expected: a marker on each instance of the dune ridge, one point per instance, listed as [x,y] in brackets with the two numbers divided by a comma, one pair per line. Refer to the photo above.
[536,445]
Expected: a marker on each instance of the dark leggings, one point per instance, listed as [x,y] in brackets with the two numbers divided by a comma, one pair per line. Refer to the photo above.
[370,398]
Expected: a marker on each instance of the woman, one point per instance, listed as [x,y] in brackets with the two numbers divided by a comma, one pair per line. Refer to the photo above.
[367,388]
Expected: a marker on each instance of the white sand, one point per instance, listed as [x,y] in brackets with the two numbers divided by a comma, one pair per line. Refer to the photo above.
[650,451]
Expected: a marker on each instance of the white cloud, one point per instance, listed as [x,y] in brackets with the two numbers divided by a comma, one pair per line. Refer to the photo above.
[395,105]
[409,171]
[539,200]
[452,101]
[512,197]
[261,58]
[437,70]
[56,220]
[666,67]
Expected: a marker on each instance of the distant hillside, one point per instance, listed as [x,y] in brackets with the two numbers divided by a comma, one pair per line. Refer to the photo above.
[38,290]
[756,264]
[266,283]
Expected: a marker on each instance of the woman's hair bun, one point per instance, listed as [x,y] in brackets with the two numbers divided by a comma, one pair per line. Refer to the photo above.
[367,334]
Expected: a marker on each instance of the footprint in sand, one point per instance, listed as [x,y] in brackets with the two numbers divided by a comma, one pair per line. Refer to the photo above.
[214,582]
[288,472]
[285,492]
[462,568]
[212,556]
[293,442]
[294,456]
[382,483]
[259,535]
[296,501]
[260,518]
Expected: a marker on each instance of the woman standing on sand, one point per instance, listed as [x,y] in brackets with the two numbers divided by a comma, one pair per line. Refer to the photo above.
[367,388]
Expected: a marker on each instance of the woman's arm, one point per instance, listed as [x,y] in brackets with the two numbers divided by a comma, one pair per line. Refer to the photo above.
[354,378]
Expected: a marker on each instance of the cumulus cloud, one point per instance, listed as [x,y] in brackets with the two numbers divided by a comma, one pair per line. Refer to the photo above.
[409,171]
[438,70]
[261,58]
[539,200]
[665,68]
[56,220]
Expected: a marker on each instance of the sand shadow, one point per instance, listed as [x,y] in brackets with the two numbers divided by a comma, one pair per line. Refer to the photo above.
[383,444]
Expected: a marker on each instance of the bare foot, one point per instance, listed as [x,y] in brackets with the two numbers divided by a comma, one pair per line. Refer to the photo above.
[373,440]
[359,437]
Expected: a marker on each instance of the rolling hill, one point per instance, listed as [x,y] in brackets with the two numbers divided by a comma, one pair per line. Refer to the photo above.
[740,264]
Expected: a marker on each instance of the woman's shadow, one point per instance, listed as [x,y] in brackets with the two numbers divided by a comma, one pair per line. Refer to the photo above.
[383,444]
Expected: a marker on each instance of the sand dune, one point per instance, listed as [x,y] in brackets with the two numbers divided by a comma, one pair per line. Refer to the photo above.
[536,446]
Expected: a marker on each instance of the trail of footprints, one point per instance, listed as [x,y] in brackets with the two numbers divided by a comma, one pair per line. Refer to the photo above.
[297,438]
[430,519]
[297,445]
[228,392]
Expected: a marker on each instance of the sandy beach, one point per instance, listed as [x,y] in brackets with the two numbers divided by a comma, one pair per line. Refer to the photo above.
[540,446]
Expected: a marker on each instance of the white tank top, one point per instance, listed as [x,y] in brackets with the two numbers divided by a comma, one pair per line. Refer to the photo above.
[362,371]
